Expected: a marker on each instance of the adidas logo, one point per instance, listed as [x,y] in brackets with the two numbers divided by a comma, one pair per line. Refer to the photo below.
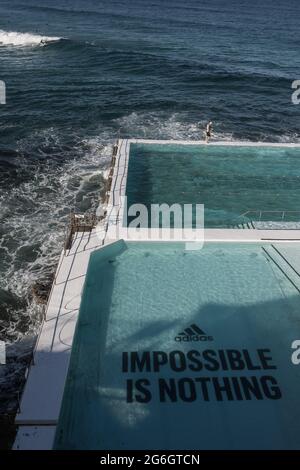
[193,333]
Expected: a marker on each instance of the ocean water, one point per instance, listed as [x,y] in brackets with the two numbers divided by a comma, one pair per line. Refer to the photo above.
[79,73]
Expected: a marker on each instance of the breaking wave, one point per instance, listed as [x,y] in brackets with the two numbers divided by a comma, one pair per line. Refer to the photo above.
[12,38]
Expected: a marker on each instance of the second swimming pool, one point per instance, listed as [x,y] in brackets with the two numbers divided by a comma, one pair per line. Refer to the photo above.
[185,350]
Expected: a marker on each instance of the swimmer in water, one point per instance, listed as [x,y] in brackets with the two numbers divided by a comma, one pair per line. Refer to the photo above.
[208,132]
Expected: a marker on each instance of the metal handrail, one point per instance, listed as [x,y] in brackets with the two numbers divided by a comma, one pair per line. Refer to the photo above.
[283,213]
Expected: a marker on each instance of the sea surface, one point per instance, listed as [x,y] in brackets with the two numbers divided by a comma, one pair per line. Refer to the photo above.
[80,73]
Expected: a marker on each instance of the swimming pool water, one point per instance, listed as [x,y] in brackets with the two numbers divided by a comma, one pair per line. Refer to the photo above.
[228,180]
[148,302]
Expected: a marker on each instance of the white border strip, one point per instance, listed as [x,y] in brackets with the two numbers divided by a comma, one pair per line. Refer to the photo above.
[225,143]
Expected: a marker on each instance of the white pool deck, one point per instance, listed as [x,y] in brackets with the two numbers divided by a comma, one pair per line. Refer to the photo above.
[43,392]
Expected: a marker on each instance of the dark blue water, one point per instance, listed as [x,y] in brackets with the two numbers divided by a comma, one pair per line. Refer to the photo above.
[133,68]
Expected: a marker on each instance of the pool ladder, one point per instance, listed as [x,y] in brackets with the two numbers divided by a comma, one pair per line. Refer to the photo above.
[248,218]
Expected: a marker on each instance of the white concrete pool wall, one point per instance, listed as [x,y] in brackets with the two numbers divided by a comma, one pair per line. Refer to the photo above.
[43,392]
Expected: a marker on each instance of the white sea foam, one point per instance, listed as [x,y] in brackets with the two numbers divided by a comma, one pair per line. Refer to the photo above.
[172,127]
[33,215]
[176,127]
[12,38]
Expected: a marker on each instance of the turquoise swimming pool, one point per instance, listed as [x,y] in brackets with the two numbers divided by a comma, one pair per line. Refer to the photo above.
[176,349]
[228,180]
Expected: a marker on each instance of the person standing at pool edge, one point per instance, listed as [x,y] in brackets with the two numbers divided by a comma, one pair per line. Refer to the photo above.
[208,132]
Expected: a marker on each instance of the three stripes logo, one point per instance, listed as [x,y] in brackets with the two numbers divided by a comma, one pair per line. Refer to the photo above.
[193,333]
